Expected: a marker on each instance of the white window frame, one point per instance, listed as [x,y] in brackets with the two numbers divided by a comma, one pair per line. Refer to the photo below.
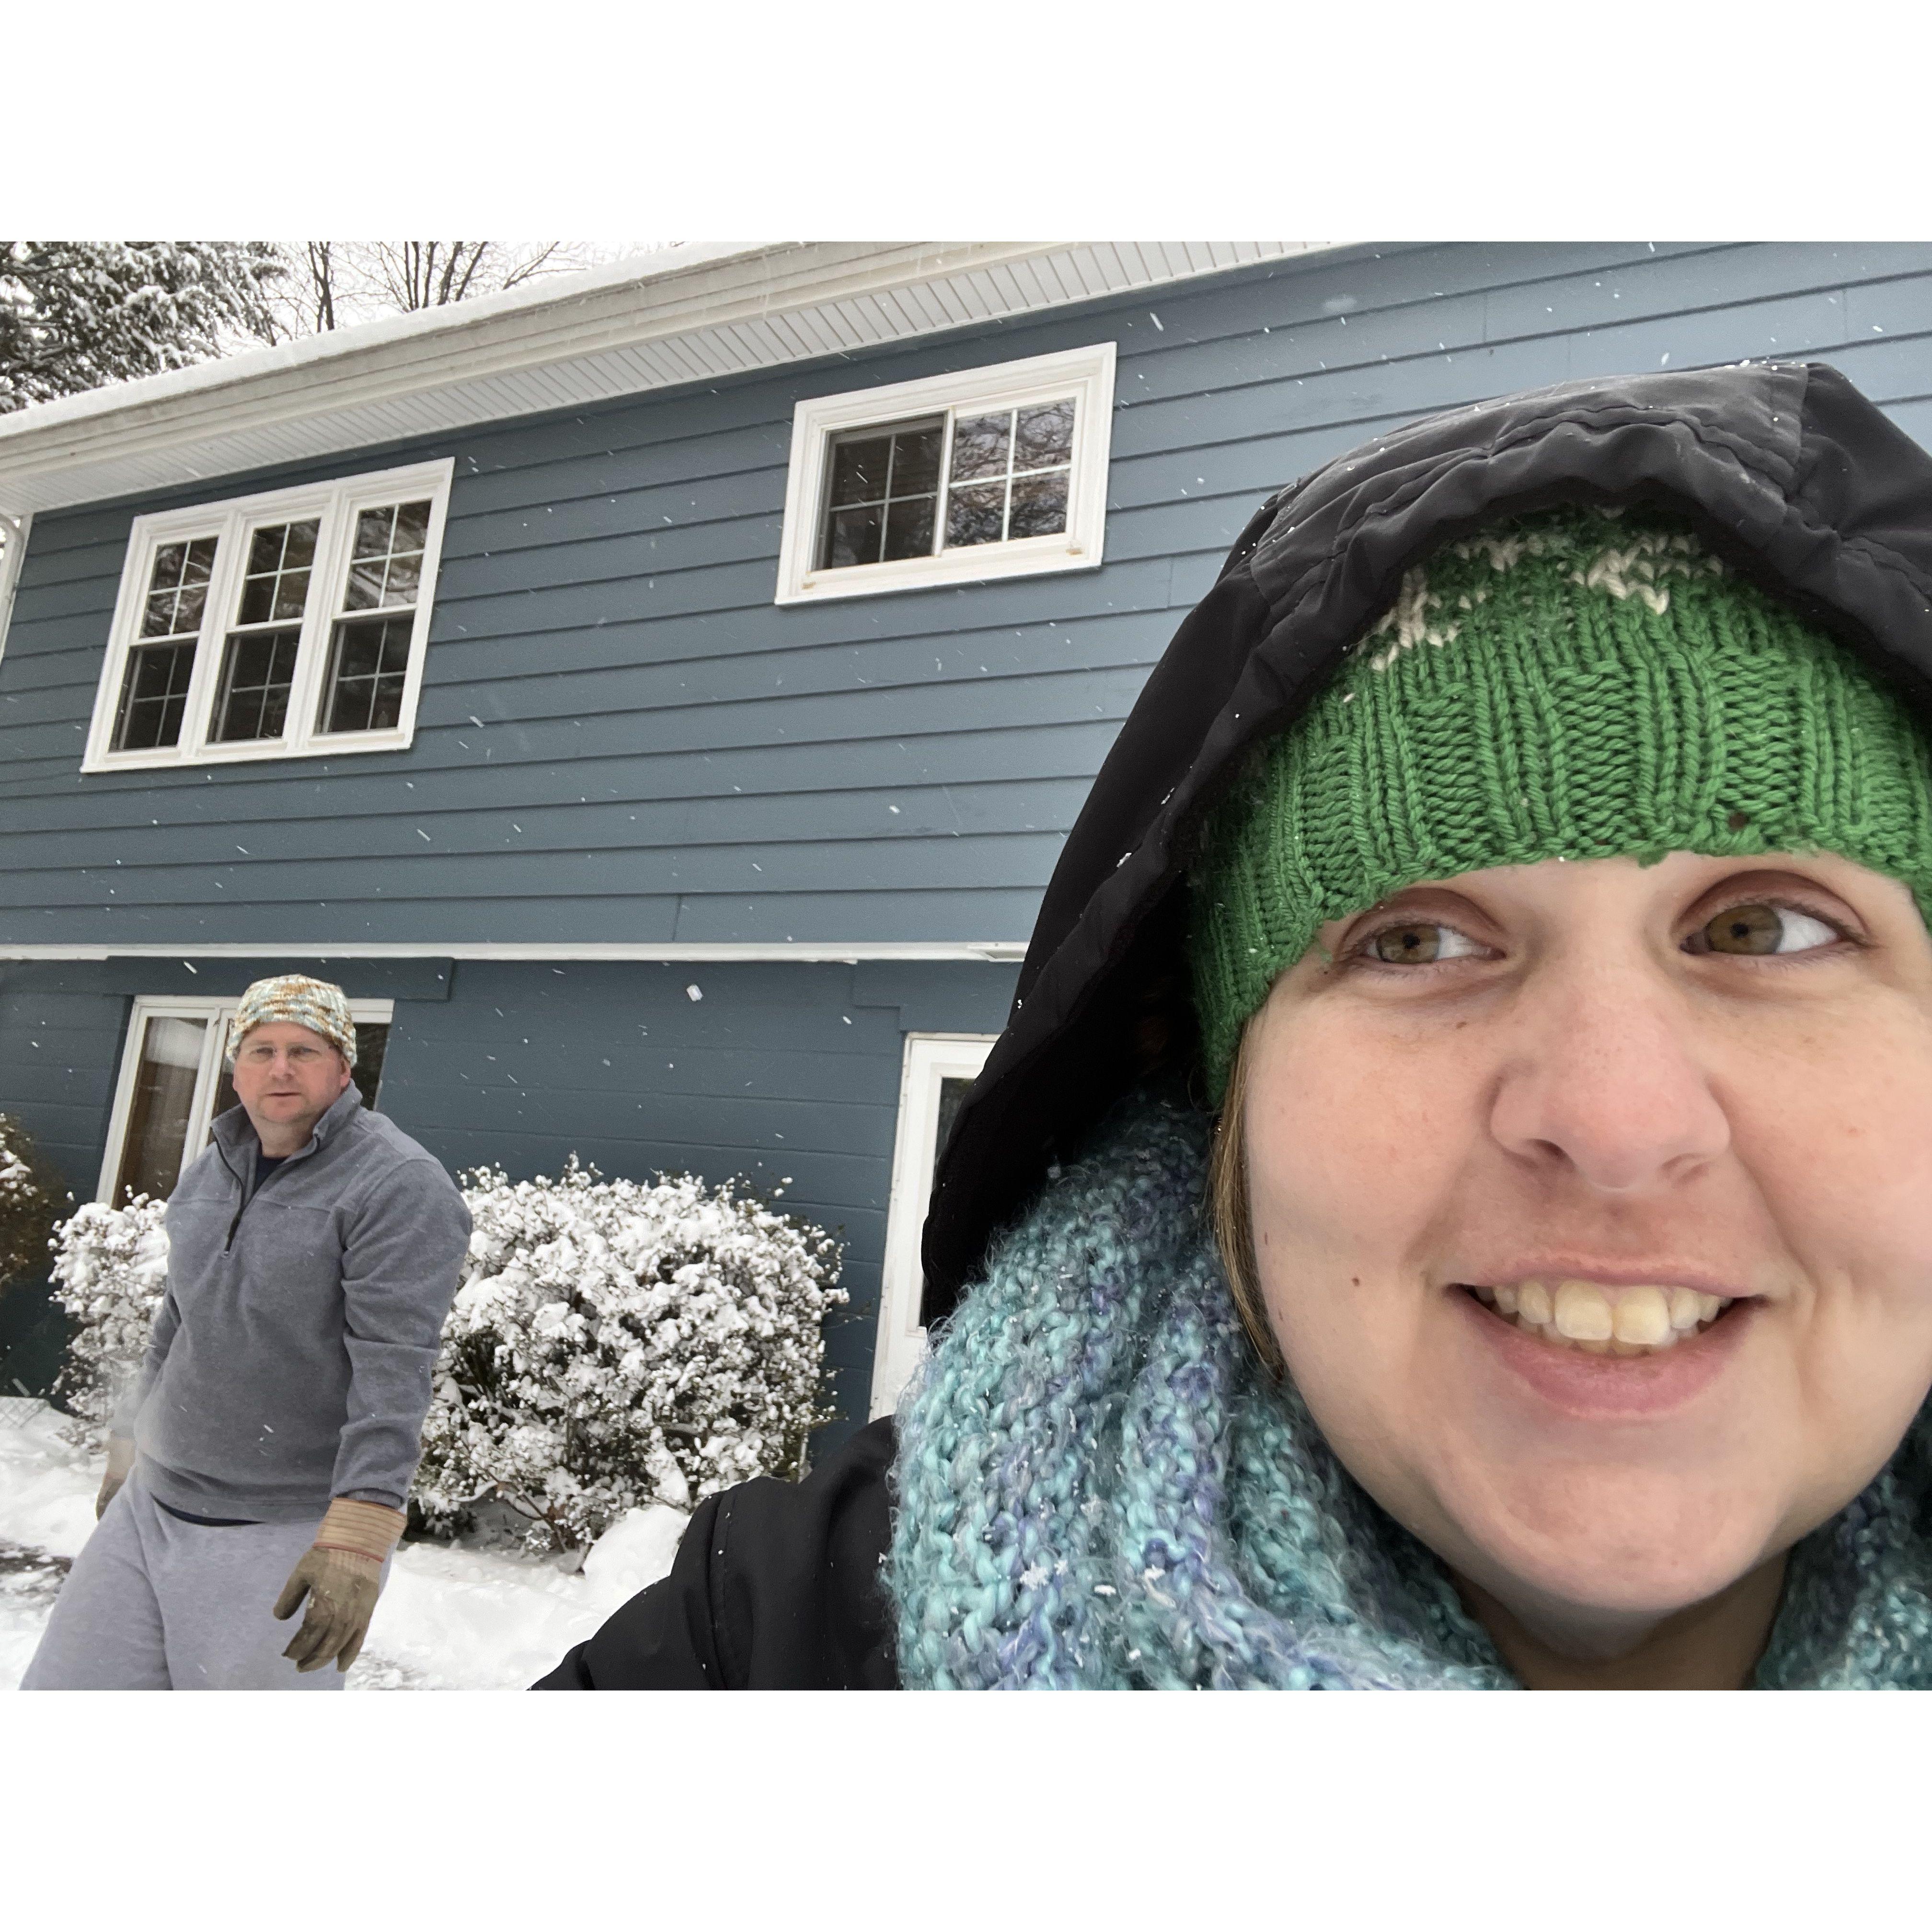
[1085,374]
[336,503]
[14,532]
[930,1058]
[201,1108]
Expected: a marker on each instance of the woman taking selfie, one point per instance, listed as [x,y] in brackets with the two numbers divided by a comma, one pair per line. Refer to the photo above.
[1452,1207]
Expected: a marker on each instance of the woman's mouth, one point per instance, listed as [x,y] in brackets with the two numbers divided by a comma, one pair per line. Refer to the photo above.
[1600,1321]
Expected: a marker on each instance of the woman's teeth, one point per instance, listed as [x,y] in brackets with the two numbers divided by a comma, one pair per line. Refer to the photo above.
[1604,1321]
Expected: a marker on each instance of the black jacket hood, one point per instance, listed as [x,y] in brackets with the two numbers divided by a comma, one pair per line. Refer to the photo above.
[1787,472]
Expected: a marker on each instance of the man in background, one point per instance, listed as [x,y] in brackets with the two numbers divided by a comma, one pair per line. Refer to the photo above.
[263,1458]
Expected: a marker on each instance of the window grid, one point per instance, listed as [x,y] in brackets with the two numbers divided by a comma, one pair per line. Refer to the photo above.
[261,634]
[368,669]
[973,476]
[154,683]
[367,672]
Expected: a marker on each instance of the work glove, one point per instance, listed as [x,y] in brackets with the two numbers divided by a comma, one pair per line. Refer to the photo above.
[341,1575]
[120,1461]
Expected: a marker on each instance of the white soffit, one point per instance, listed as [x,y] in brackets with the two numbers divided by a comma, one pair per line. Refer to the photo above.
[685,315]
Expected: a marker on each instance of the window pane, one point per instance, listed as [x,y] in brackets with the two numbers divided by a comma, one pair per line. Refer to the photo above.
[974,515]
[859,470]
[412,525]
[277,585]
[909,527]
[154,691]
[895,471]
[373,530]
[388,565]
[1039,506]
[1045,437]
[854,536]
[178,590]
[372,1048]
[980,445]
[916,461]
[368,667]
[157,1116]
[404,572]
[255,675]
[365,585]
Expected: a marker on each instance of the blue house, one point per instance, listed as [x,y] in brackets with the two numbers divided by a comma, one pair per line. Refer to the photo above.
[659,696]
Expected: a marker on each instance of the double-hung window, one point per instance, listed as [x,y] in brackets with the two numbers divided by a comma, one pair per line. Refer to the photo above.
[174,1081]
[987,473]
[285,625]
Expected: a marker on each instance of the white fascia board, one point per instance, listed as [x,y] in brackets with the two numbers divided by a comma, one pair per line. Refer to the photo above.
[684,315]
[804,952]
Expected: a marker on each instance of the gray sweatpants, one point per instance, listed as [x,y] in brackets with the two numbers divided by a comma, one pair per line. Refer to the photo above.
[154,1603]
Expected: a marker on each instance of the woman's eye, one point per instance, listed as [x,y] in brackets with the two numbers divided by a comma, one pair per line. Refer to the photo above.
[1764,928]
[1420,942]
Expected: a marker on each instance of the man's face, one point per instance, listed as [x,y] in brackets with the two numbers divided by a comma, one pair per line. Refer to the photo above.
[287,1077]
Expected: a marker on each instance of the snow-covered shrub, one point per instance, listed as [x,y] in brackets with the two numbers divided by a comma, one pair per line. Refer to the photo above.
[617,1343]
[613,1345]
[31,1195]
[110,1271]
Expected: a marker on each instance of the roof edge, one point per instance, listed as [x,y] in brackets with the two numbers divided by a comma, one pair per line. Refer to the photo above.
[681,315]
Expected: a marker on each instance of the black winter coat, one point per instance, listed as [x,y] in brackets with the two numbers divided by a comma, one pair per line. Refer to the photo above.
[1786,471]
[776,1588]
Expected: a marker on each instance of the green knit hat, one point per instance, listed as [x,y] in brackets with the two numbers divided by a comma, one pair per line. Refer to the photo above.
[1575,684]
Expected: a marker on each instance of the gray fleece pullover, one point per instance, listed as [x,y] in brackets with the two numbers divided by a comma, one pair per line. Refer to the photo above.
[291,1356]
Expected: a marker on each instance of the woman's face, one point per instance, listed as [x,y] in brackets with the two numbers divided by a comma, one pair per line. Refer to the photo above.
[1594,1092]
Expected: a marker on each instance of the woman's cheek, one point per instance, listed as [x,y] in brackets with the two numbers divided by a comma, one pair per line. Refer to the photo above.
[1350,1161]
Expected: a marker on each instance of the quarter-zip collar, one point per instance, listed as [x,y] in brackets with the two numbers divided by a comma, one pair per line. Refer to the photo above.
[234,1132]
[238,1144]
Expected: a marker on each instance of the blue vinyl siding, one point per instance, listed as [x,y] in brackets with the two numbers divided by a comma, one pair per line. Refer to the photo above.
[623,739]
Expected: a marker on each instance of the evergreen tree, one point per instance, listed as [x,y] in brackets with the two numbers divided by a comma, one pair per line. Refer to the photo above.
[75,315]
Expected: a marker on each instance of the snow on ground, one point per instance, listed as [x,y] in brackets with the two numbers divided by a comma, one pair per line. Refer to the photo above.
[452,1618]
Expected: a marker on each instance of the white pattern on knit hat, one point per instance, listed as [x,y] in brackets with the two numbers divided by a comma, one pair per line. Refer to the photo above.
[297,1001]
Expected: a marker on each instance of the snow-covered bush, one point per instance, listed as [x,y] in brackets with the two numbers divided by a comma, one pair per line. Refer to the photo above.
[110,1271]
[31,1196]
[613,1344]
[616,1344]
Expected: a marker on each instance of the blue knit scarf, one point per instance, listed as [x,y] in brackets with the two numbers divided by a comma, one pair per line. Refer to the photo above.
[1097,1486]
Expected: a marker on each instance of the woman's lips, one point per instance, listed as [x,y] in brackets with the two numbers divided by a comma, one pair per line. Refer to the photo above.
[1599,1384]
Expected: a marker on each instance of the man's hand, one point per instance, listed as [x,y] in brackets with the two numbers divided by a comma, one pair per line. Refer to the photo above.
[120,1461]
[341,1575]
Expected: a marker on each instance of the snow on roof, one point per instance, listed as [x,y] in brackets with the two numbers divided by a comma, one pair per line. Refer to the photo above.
[691,313]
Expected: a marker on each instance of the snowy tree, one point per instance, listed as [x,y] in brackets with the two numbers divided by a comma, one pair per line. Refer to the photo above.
[31,1194]
[330,285]
[110,1271]
[77,315]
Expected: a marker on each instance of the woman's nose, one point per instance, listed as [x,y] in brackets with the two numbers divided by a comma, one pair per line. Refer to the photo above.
[1606,1079]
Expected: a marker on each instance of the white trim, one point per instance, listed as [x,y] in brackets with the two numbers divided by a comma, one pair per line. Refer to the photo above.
[12,557]
[335,504]
[686,315]
[930,1058]
[1085,374]
[200,1116]
[804,951]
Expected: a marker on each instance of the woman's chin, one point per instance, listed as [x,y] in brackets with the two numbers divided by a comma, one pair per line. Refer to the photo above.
[1610,1543]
